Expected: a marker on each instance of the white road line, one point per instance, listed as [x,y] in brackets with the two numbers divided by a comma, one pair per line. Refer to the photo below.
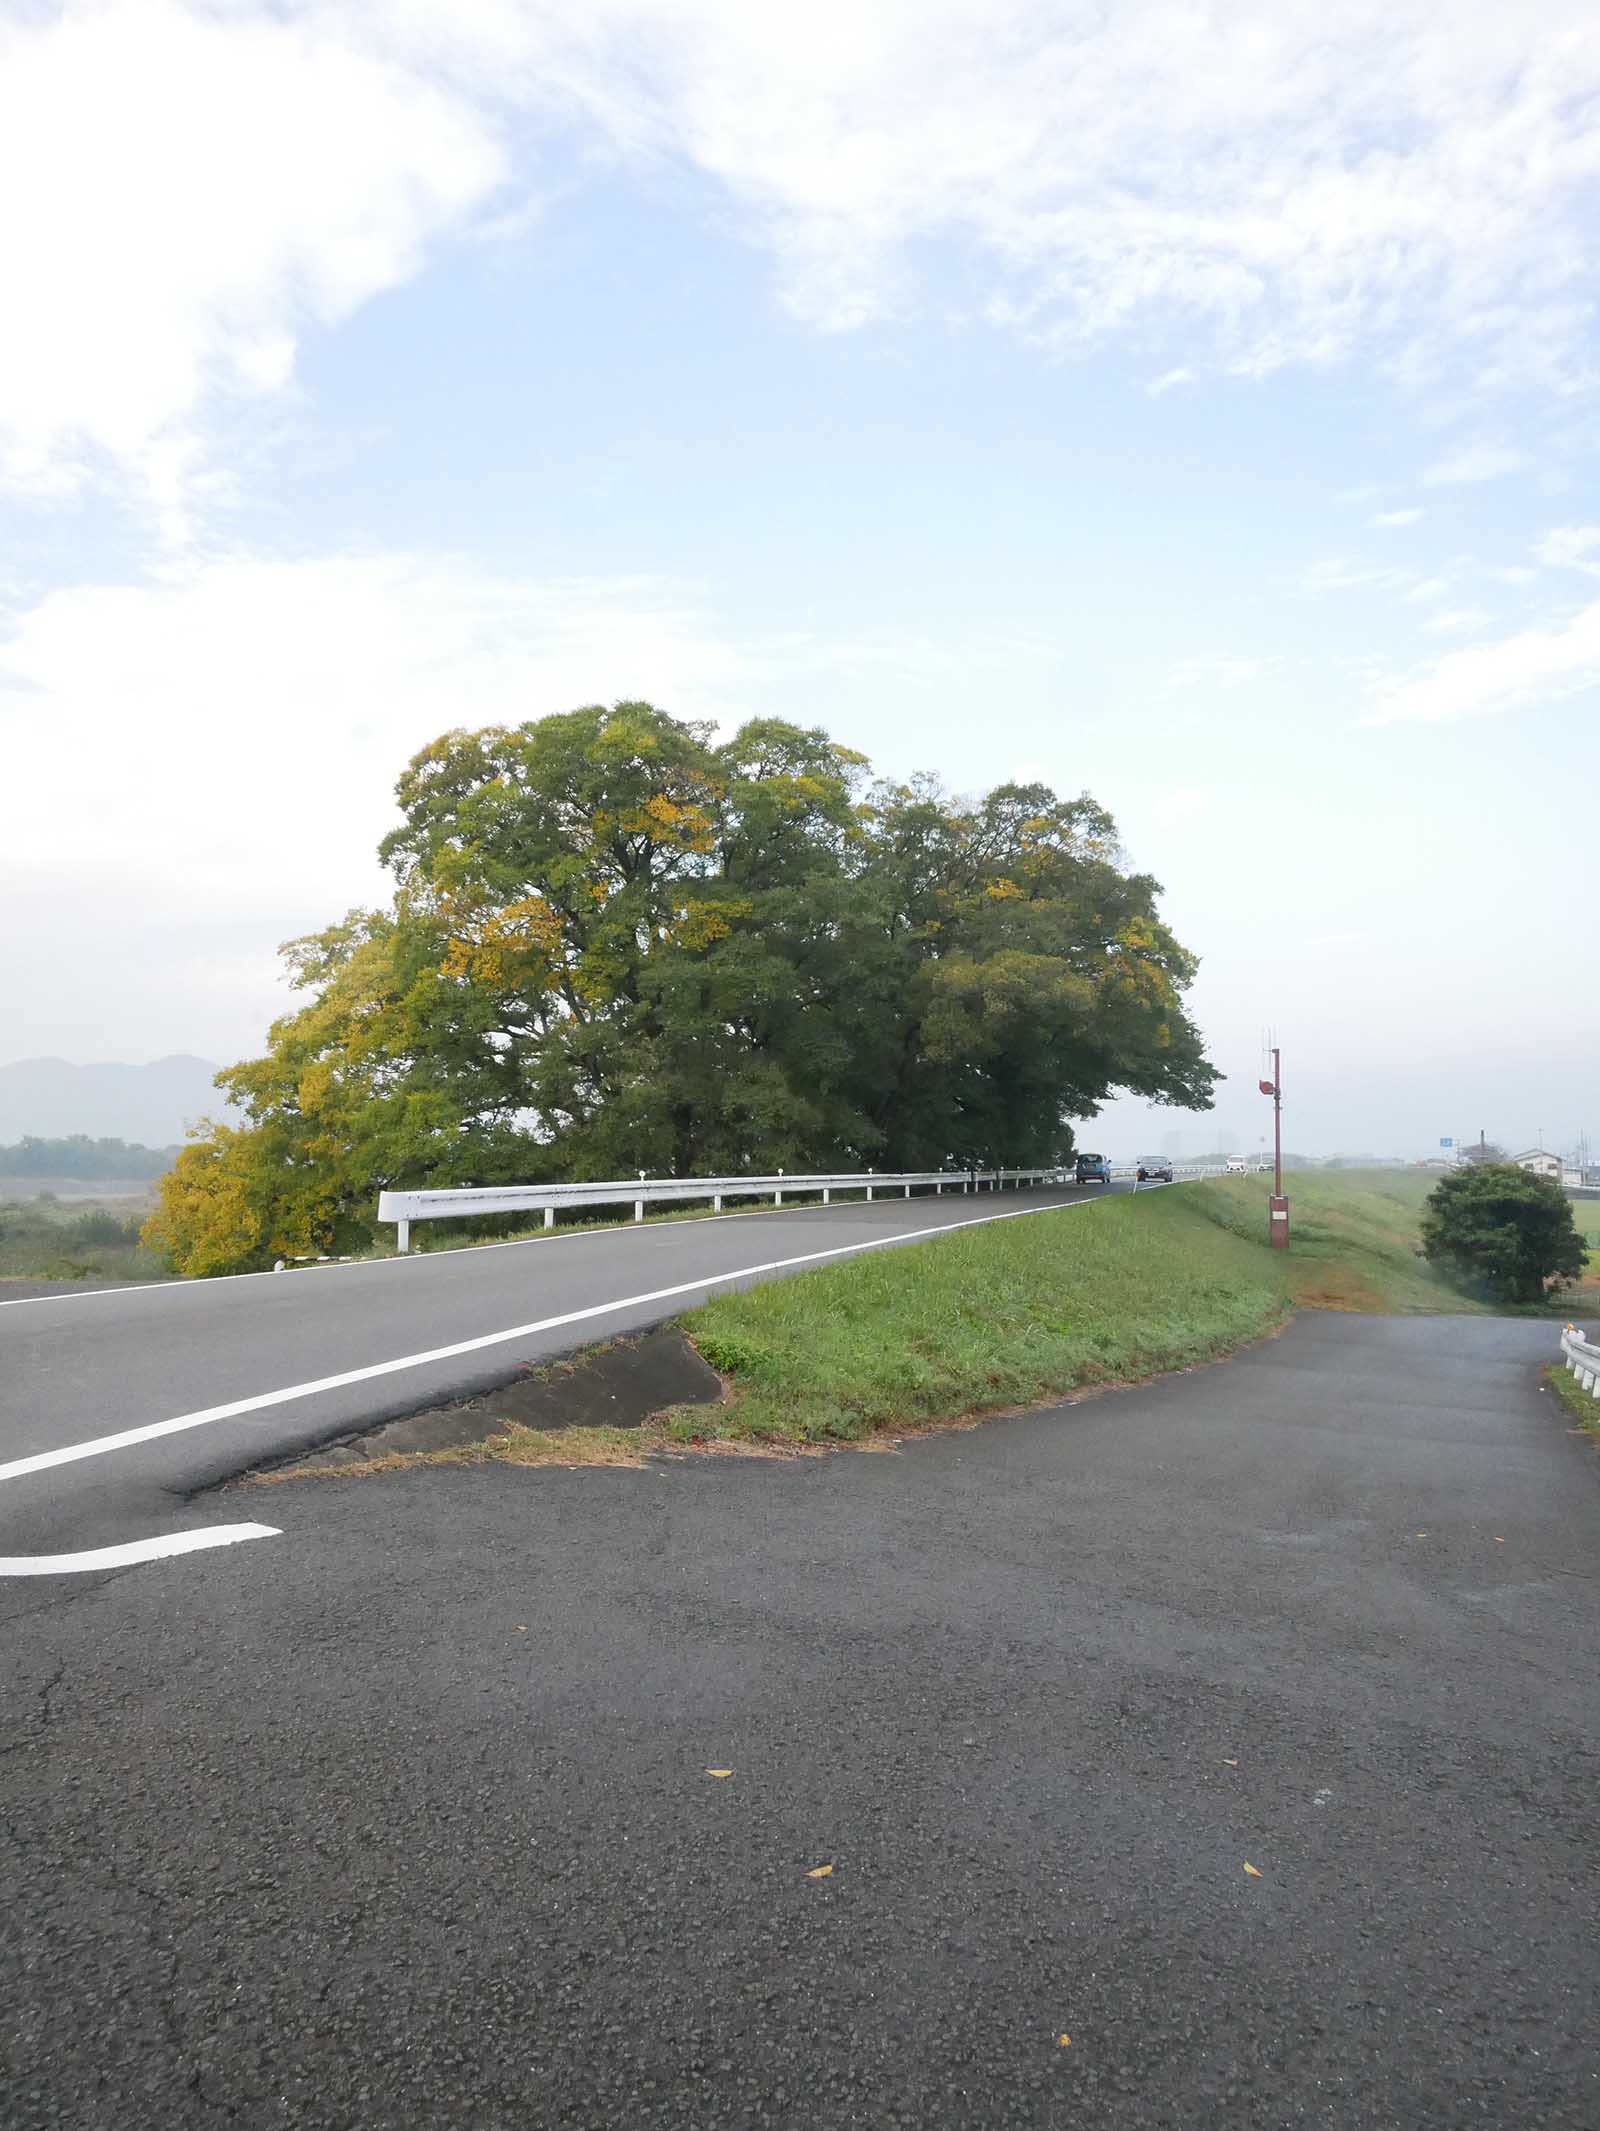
[123,1557]
[99,1446]
[607,1232]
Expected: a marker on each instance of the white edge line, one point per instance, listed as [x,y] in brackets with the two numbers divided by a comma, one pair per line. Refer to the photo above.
[606,1231]
[123,1557]
[44,1460]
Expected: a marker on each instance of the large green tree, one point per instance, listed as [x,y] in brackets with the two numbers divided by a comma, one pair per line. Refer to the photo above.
[616,944]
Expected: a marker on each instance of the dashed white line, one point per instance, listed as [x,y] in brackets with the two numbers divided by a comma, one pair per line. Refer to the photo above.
[134,1550]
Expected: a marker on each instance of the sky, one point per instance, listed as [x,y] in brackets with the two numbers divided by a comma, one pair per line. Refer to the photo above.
[1198,405]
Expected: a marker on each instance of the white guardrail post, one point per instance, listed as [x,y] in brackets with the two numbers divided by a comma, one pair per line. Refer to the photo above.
[1582,1357]
[406,1207]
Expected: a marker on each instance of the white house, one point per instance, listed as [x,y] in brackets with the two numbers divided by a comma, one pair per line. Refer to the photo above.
[1538,1163]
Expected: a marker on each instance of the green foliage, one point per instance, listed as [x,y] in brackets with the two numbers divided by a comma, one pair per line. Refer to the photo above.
[615,945]
[43,1239]
[1511,1231]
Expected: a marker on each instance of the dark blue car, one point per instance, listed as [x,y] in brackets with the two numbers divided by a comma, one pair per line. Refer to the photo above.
[1092,1169]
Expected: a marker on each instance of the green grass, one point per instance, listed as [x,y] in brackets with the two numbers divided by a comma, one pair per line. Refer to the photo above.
[1355,1237]
[1013,1313]
[1001,1315]
[1017,1312]
[81,1240]
[1582,1405]
[1584,1299]
[1356,1243]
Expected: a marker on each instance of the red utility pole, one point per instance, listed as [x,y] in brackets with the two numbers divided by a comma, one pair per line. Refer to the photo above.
[1278,1205]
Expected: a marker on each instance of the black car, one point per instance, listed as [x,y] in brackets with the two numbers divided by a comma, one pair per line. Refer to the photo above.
[1154,1169]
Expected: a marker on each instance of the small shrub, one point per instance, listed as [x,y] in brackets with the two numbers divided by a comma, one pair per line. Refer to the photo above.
[1499,1225]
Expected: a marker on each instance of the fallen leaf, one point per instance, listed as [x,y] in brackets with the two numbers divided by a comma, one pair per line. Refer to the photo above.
[1227,1763]
[521,1630]
[1498,1540]
[719,1771]
[1422,1535]
[1254,1874]
[819,1872]
[1064,2042]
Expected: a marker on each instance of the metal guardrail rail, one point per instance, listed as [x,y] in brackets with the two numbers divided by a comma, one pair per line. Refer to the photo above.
[1582,1357]
[405,1207]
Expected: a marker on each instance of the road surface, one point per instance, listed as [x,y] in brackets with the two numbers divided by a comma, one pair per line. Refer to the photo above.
[296,1358]
[404,1819]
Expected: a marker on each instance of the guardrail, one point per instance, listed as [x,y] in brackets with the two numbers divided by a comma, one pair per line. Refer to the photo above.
[1582,1358]
[404,1207]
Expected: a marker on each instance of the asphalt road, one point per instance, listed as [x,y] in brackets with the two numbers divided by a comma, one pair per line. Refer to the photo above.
[78,1367]
[404,1818]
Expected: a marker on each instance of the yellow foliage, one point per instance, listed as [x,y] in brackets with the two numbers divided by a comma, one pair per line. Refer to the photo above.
[231,1202]
[699,924]
[507,946]
[1003,890]
[205,1219]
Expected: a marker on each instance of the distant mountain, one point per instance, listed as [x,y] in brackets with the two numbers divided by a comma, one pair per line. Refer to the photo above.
[150,1104]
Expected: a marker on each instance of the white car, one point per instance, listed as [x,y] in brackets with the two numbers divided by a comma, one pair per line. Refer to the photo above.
[1236,1165]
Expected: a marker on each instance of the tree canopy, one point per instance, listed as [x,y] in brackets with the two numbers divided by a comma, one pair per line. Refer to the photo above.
[1497,1224]
[617,944]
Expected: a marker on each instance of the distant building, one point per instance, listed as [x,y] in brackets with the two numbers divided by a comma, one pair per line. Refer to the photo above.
[1538,1163]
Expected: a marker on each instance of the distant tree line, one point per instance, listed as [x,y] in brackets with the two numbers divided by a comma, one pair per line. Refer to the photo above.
[83,1159]
[615,944]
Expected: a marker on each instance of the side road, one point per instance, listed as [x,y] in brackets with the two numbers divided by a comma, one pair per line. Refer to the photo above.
[1243,1728]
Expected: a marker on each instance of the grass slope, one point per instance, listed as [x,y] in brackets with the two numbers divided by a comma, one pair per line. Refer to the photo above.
[1355,1237]
[1016,1312]
[1584,1299]
[1001,1315]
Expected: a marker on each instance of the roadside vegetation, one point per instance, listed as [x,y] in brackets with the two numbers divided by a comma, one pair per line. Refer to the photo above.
[1355,1237]
[1015,1313]
[1583,1406]
[1583,1299]
[1508,1233]
[45,1239]
[1002,1315]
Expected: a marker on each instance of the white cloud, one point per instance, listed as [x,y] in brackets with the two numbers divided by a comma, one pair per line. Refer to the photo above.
[245,719]
[1426,590]
[1515,573]
[1396,518]
[1534,666]
[201,185]
[1479,462]
[1219,672]
[233,727]
[1278,181]
[1456,621]
[1342,573]
[1571,547]
[1168,380]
